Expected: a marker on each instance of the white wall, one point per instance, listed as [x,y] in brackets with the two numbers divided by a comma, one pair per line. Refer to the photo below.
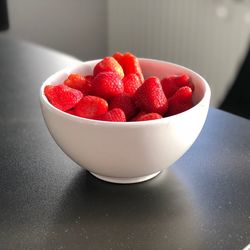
[188,32]
[77,27]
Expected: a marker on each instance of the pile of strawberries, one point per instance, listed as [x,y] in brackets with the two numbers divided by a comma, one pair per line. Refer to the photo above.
[118,92]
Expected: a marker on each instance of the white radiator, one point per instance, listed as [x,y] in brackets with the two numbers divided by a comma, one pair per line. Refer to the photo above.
[208,36]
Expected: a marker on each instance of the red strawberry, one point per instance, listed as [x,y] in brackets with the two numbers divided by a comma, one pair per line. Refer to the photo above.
[131,84]
[172,83]
[125,103]
[114,115]
[71,111]
[62,96]
[180,101]
[109,64]
[148,116]
[131,65]
[79,82]
[150,97]
[107,85]
[91,106]
[138,116]
[89,78]
[118,57]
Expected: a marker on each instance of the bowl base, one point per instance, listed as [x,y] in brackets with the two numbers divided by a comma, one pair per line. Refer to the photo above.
[125,180]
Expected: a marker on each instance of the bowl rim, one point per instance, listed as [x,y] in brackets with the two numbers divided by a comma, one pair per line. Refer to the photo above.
[68,70]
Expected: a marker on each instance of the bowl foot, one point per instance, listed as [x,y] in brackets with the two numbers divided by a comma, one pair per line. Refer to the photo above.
[126,180]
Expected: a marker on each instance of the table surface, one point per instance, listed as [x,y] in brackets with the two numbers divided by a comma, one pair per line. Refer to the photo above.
[49,202]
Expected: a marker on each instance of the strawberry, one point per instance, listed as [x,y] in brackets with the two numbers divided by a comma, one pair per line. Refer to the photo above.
[79,82]
[89,78]
[138,116]
[180,101]
[107,85]
[131,84]
[125,103]
[118,57]
[109,64]
[150,97]
[91,106]
[114,115]
[148,116]
[131,65]
[71,111]
[172,83]
[62,96]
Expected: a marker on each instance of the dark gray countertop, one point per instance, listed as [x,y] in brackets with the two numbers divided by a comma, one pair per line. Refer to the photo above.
[49,202]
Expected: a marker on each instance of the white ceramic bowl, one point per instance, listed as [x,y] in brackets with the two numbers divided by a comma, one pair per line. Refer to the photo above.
[133,151]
